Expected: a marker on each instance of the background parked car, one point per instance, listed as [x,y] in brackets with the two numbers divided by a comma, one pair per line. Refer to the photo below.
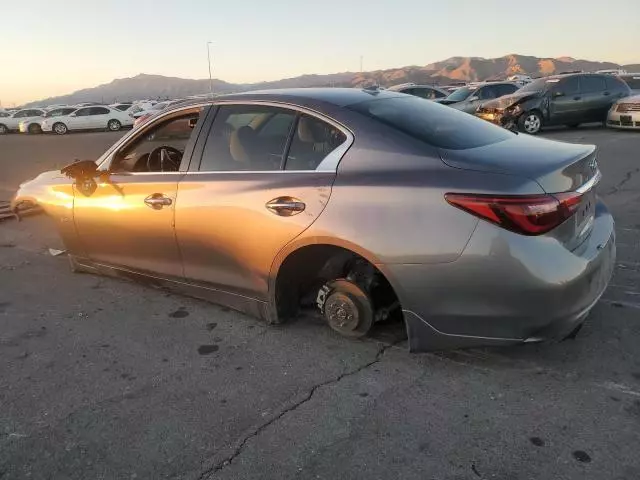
[34,125]
[625,113]
[88,118]
[123,107]
[429,92]
[557,100]
[469,98]
[10,124]
[633,80]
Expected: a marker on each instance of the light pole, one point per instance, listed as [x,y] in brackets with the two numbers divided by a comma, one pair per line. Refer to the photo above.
[209,60]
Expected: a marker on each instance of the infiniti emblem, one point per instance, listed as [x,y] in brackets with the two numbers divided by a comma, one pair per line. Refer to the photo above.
[593,165]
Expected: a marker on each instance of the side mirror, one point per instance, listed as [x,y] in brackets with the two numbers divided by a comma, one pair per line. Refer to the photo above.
[474,98]
[81,169]
[558,94]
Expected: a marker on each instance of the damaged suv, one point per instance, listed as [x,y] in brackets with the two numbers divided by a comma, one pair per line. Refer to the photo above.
[557,100]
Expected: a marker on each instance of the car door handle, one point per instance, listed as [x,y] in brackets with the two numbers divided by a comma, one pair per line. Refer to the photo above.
[285,206]
[157,201]
[577,98]
[606,94]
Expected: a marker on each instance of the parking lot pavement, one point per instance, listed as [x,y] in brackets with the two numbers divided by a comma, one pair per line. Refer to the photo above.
[105,379]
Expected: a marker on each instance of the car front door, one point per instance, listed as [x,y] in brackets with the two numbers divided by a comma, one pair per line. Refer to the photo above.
[79,120]
[566,105]
[127,222]
[264,176]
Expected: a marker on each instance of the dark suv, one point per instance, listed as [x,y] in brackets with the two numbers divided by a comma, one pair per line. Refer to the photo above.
[557,100]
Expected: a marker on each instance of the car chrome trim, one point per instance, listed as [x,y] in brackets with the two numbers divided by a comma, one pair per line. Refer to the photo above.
[591,183]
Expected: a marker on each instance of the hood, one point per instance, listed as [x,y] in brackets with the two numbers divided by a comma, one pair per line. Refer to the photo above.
[507,101]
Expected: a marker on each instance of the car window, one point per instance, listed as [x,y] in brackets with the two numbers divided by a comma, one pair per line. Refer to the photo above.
[4,114]
[592,84]
[83,112]
[430,122]
[568,86]
[123,107]
[236,141]
[99,111]
[488,93]
[423,92]
[312,141]
[21,114]
[174,133]
[615,83]
[506,89]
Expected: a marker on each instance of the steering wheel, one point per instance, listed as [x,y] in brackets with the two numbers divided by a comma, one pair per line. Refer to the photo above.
[164,159]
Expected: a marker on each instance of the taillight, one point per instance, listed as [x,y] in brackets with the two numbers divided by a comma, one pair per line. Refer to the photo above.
[524,214]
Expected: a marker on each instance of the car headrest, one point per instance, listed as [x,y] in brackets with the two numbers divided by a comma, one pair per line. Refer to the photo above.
[239,144]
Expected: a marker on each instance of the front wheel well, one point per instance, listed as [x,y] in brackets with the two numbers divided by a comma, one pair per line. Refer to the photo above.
[306,270]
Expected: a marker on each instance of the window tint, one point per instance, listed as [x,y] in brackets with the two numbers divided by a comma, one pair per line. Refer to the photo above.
[313,140]
[592,84]
[247,137]
[488,93]
[99,111]
[83,112]
[21,114]
[614,83]
[506,89]
[123,107]
[433,123]
[174,133]
[568,86]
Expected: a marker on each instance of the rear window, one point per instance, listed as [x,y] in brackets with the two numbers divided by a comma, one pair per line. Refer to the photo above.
[435,124]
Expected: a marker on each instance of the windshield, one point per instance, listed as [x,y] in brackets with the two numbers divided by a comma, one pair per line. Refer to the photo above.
[536,86]
[435,124]
[461,94]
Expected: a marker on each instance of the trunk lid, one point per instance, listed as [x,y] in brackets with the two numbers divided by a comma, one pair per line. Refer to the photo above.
[556,166]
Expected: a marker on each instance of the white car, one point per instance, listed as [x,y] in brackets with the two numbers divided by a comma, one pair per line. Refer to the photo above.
[34,124]
[11,123]
[88,118]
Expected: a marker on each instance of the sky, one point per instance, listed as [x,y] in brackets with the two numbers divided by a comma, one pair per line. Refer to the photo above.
[56,47]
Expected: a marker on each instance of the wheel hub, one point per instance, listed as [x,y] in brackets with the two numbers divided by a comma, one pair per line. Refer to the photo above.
[342,313]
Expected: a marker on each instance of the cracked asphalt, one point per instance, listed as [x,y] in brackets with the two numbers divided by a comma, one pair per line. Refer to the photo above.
[105,379]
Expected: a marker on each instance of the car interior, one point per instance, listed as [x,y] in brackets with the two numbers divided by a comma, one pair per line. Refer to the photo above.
[159,149]
[242,140]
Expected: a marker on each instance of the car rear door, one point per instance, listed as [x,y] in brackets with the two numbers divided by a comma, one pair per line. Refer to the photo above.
[566,106]
[595,97]
[264,176]
[127,221]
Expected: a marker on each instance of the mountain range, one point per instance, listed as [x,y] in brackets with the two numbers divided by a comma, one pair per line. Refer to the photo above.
[439,73]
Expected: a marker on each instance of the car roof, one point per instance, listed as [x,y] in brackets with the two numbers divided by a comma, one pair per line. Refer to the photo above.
[309,97]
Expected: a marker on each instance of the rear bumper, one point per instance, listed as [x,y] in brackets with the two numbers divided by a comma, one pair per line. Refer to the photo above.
[506,288]
[626,120]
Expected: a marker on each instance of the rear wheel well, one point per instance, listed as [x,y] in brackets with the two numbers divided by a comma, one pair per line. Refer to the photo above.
[306,270]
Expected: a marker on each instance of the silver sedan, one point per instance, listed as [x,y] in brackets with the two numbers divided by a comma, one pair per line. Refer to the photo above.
[625,113]
[362,204]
